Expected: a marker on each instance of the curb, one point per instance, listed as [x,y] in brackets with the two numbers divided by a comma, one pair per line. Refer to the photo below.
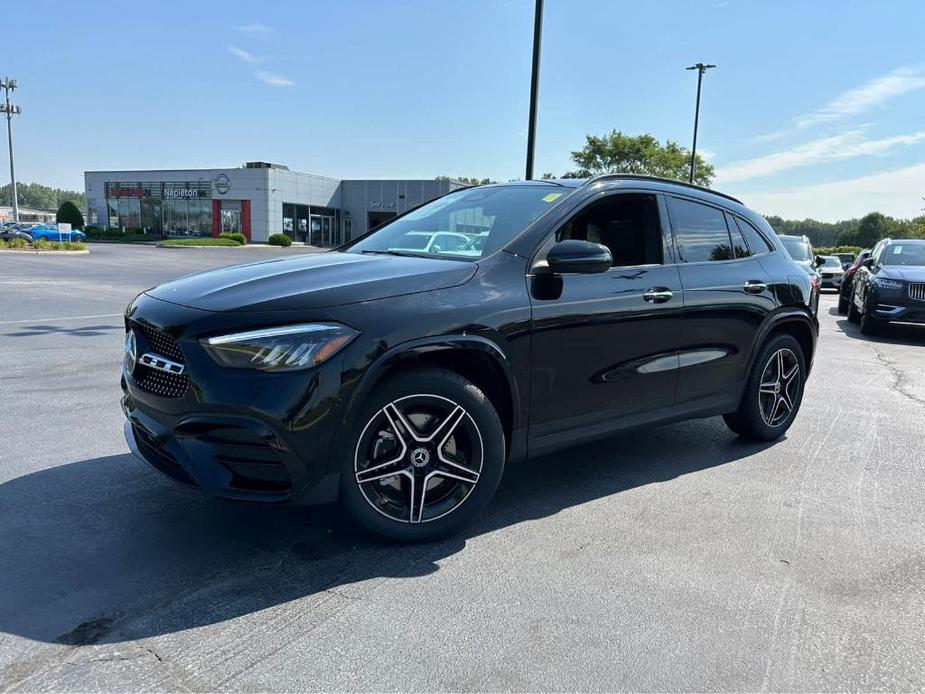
[35,252]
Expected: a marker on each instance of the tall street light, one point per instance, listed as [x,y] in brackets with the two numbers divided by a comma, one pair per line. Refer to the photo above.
[534,85]
[10,110]
[700,68]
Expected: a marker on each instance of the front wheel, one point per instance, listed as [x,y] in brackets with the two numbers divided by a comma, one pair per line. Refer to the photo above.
[869,324]
[854,316]
[773,392]
[427,454]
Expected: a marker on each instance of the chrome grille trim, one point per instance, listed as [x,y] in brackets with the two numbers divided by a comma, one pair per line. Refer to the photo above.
[917,291]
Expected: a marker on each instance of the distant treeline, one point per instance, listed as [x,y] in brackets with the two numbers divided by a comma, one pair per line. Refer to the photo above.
[35,196]
[864,232]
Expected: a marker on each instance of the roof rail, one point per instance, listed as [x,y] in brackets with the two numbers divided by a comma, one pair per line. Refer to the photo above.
[608,176]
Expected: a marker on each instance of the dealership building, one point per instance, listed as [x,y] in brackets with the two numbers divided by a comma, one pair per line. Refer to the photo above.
[257,199]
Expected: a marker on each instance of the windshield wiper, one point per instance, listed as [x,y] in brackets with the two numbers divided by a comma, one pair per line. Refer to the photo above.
[404,254]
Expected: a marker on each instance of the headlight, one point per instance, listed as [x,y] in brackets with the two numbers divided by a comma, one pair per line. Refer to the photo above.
[288,348]
[884,283]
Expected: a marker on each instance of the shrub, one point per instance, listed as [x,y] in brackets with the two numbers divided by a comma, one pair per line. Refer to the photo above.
[234,236]
[17,243]
[279,240]
[69,214]
[201,242]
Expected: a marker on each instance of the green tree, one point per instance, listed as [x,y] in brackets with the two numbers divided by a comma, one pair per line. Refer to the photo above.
[618,152]
[36,196]
[69,214]
[870,229]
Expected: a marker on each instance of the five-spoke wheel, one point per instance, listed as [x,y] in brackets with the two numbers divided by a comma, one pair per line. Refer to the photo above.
[779,388]
[418,458]
[428,453]
[773,391]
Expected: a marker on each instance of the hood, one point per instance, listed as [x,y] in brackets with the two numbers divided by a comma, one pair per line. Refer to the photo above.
[312,281]
[906,273]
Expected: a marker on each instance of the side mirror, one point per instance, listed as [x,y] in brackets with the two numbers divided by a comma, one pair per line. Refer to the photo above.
[819,261]
[868,263]
[574,256]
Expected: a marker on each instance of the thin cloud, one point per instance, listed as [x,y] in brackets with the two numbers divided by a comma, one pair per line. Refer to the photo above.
[870,95]
[242,54]
[273,79]
[847,145]
[254,29]
[896,193]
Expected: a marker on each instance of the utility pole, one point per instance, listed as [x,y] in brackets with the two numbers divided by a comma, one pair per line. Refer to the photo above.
[534,86]
[700,68]
[7,85]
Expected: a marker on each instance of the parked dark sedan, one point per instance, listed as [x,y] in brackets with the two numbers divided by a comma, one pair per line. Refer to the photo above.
[14,231]
[847,284]
[403,382]
[890,285]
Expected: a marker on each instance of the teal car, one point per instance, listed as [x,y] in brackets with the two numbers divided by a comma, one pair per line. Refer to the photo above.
[49,232]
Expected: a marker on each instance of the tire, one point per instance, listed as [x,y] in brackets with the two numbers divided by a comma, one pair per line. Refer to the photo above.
[869,324]
[460,465]
[842,304]
[854,315]
[43,238]
[765,414]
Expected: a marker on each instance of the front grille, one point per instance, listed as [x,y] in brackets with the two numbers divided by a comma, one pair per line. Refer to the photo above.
[917,291]
[156,454]
[160,342]
[162,383]
[155,381]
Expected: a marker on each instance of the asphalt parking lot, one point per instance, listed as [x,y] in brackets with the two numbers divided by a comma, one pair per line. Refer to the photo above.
[674,558]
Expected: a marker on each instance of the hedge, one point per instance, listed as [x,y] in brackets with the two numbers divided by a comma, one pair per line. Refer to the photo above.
[832,250]
[201,242]
[279,240]
[236,236]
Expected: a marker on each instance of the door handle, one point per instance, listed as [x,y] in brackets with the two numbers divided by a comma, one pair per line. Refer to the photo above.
[658,295]
[754,286]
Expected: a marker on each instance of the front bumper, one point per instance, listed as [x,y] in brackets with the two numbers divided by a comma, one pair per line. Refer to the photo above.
[903,314]
[832,281]
[233,433]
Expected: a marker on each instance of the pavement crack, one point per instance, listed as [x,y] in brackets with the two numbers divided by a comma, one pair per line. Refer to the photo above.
[901,381]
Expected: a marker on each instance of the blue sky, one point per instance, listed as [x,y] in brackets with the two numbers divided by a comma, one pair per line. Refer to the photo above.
[815,109]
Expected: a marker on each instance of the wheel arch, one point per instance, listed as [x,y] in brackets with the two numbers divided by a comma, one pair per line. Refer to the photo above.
[800,324]
[476,358]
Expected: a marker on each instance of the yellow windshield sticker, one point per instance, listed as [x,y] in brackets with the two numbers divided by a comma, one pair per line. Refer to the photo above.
[552,197]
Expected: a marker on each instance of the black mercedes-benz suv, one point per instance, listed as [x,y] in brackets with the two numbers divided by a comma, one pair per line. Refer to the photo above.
[889,285]
[402,380]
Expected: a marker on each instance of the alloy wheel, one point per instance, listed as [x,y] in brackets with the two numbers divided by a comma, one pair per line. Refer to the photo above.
[779,387]
[418,458]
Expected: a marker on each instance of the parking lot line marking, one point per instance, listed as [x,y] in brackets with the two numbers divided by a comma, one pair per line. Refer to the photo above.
[42,320]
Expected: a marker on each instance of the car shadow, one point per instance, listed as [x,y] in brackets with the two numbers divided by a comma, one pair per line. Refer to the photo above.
[83,331]
[105,550]
[891,333]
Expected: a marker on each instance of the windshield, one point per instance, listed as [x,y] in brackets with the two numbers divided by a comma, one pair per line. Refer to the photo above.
[904,254]
[466,225]
[797,248]
[831,261]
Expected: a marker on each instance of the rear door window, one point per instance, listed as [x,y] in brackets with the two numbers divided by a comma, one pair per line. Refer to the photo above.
[700,231]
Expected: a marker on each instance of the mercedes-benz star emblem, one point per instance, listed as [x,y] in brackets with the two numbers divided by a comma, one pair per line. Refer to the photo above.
[420,457]
[131,351]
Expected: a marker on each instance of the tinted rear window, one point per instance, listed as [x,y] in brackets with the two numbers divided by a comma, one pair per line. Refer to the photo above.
[700,231]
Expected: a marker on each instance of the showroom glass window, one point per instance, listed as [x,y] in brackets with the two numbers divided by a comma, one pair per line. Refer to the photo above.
[700,231]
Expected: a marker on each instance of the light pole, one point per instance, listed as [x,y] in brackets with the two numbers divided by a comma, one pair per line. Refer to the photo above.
[10,110]
[700,68]
[534,85]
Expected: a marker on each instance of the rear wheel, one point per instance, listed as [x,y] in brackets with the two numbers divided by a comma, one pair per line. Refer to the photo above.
[843,304]
[427,454]
[43,238]
[773,392]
